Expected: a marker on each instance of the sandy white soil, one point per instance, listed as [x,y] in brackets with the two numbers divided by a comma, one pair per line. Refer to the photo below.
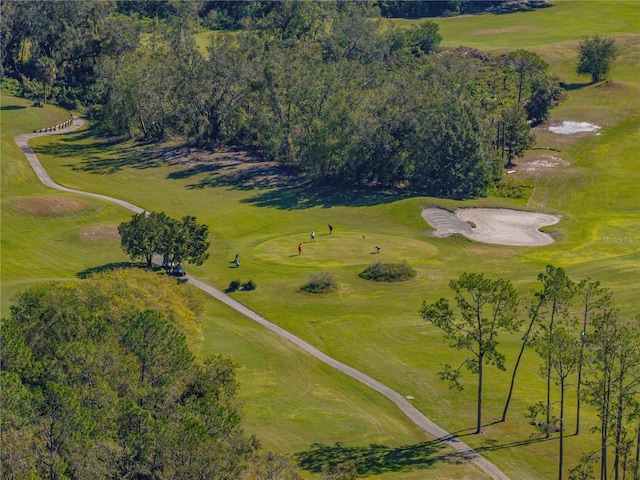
[492,225]
[569,127]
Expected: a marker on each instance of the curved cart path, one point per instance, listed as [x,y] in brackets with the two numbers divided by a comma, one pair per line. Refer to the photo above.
[402,403]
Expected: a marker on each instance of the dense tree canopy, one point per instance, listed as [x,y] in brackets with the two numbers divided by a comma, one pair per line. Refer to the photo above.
[328,87]
[90,392]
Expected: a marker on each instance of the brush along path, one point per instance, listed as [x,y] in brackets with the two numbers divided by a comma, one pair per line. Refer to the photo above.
[402,403]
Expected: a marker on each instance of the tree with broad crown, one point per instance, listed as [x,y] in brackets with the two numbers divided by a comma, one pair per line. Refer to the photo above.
[596,55]
[140,237]
[485,308]
[176,240]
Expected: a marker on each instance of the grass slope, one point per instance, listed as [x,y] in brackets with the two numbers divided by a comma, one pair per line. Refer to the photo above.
[294,402]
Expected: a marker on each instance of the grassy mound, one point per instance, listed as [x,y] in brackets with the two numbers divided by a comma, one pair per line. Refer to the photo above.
[388,272]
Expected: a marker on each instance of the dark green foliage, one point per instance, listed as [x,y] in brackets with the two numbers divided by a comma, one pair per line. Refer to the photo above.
[322,282]
[595,57]
[518,136]
[546,93]
[111,397]
[234,285]
[388,272]
[249,285]
[316,85]
[177,241]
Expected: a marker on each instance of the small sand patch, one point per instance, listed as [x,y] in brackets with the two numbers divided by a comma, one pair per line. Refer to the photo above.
[569,127]
[545,161]
[100,233]
[51,205]
[492,225]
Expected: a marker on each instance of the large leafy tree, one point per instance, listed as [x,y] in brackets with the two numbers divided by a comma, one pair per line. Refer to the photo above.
[177,241]
[485,308]
[184,241]
[92,391]
[141,236]
[595,57]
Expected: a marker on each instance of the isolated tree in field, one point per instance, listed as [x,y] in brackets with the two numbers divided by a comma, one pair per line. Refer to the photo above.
[140,237]
[562,352]
[595,57]
[553,281]
[594,299]
[177,241]
[485,307]
[559,290]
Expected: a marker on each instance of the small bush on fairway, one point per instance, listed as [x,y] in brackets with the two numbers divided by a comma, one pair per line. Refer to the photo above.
[388,272]
[250,285]
[234,285]
[321,282]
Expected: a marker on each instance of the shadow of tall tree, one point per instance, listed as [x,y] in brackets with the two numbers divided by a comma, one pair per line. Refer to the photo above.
[376,459]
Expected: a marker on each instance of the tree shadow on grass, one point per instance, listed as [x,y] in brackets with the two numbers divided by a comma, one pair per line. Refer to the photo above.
[371,460]
[110,267]
[379,459]
[285,187]
[308,195]
[102,155]
[569,87]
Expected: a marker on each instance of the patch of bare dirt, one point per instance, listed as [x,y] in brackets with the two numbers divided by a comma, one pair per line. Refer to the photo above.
[100,233]
[50,205]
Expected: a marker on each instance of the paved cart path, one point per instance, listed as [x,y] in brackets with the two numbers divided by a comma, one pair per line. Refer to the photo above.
[402,403]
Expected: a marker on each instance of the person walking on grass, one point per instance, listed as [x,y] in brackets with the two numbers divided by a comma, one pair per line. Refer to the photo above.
[299,248]
[313,236]
[236,260]
[330,229]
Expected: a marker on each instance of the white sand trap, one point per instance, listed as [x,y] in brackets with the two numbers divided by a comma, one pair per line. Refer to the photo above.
[568,127]
[492,225]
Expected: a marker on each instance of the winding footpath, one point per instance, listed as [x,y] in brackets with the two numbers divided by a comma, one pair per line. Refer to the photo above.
[402,403]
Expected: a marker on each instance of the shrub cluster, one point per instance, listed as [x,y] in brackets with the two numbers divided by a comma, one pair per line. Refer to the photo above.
[388,272]
[238,285]
[321,282]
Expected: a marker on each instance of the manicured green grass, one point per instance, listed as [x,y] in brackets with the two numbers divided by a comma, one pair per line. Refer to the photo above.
[291,400]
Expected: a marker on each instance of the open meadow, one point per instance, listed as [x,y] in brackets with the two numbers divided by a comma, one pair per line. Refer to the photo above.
[295,404]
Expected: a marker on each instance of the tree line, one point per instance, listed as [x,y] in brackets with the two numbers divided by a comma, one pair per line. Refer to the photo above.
[328,87]
[582,342]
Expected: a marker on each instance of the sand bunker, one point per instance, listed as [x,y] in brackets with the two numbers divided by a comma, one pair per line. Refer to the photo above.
[569,128]
[492,225]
